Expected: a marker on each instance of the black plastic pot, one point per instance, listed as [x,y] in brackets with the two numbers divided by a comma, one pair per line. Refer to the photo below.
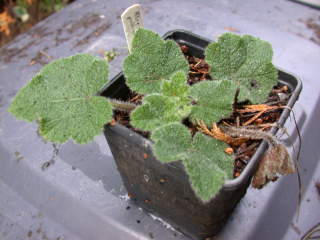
[164,189]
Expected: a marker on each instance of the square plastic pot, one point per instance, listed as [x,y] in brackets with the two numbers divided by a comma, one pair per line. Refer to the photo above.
[164,189]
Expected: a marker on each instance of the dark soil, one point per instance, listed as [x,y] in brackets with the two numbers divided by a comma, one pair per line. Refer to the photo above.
[198,68]
[199,71]
[245,151]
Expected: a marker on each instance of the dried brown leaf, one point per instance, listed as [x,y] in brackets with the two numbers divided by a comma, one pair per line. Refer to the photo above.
[5,21]
[276,161]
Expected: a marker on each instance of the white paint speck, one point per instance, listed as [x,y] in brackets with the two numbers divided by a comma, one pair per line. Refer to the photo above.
[164,223]
[146,178]
[124,197]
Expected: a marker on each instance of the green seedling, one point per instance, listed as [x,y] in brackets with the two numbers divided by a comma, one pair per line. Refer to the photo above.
[63,98]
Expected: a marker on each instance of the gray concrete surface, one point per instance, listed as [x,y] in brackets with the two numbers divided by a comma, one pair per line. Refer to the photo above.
[80,195]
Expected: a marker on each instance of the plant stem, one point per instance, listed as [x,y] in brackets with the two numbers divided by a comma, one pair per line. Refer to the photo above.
[122,105]
[249,133]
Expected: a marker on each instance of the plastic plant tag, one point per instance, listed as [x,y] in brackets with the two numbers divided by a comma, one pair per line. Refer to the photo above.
[132,21]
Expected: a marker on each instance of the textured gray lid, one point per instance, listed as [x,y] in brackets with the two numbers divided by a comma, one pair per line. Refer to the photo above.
[80,195]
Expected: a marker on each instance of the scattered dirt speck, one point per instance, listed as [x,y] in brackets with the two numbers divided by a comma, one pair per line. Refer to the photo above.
[151,235]
[18,155]
[84,22]
[295,228]
[47,164]
[95,33]
[318,186]
[8,54]
[232,29]
[41,57]
[39,32]
[60,35]
[314,25]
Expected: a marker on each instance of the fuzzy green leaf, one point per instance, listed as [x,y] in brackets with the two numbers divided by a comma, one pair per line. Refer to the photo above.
[247,61]
[203,157]
[158,110]
[172,142]
[208,166]
[151,62]
[177,86]
[214,100]
[62,97]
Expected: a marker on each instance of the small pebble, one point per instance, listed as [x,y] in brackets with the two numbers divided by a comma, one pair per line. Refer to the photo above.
[184,48]
[113,122]
[283,96]
[228,150]
[162,180]
[258,121]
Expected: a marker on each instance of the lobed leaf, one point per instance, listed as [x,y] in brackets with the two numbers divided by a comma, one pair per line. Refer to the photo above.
[203,157]
[172,142]
[151,62]
[208,166]
[214,100]
[246,61]
[62,97]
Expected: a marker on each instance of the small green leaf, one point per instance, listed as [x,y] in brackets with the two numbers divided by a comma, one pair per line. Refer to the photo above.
[203,157]
[214,100]
[172,142]
[158,110]
[247,61]
[62,97]
[151,62]
[177,86]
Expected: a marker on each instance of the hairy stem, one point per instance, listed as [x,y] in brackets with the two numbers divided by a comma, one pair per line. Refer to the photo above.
[122,105]
[244,132]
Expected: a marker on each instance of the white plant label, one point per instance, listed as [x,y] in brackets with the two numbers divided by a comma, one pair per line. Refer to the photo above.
[132,21]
